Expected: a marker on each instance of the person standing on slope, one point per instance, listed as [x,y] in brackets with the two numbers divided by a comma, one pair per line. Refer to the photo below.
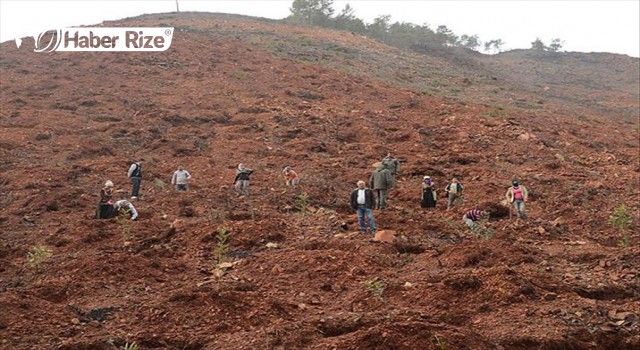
[428,193]
[381,180]
[135,174]
[242,179]
[362,202]
[391,163]
[180,179]
[454,193]
[517,194]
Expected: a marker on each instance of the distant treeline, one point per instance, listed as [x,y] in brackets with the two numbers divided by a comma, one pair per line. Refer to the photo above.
[400,34]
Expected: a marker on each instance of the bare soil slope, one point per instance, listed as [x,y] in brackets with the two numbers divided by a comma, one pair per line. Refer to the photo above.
[233,89]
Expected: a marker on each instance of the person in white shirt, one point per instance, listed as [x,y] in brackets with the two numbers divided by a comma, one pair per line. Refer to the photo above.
[362,202]
[454,193]
[180,179]
[126,207]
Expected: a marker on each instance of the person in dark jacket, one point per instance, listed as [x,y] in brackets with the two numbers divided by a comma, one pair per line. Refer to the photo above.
[106,193]
[362,202]
[135,174]
[242,179]
[380,181]
[106,200]
[429,196]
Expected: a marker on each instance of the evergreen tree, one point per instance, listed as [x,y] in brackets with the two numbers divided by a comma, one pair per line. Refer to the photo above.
[446,37]
[379,28]
[470,42]
[538,45]
[556,45]
[311,12]
[493,45]
[347,20]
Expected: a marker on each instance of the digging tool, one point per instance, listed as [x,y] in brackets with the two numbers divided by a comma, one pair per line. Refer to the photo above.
[510,211]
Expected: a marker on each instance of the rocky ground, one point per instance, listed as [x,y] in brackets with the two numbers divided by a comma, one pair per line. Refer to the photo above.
[297,273]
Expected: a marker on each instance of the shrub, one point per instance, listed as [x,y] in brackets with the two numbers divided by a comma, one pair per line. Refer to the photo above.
[375,287]
[221,251]
[132,346]
[482,230]
[302,203]
[36,257]
[621,219]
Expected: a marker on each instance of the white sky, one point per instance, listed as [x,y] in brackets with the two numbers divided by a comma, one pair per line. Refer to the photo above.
[585,26]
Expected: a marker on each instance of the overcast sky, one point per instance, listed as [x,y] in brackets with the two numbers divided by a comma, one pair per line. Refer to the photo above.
[585,26]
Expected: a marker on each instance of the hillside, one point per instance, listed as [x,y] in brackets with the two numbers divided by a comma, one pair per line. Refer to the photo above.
[235,90]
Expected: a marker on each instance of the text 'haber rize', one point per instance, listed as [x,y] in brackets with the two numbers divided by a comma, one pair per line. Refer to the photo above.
[132,39]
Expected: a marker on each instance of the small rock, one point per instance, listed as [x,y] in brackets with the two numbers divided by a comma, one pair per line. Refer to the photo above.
[75,321]
[524,137]
[277,268]
[386,236]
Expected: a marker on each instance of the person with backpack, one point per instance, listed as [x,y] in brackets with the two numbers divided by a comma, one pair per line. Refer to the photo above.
[180,179]
[454,193]
[381,180]
[429,196]
[362,201]
[291,177]
[242,180]
[472,216]
[135,174]
[517,194]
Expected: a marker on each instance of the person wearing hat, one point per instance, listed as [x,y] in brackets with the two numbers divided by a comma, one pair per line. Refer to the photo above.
[291,177]
[454,193]
[428,193]
[362,202]
[381,180]
[106,196]
[242,180]
[517,194]
[106,193]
